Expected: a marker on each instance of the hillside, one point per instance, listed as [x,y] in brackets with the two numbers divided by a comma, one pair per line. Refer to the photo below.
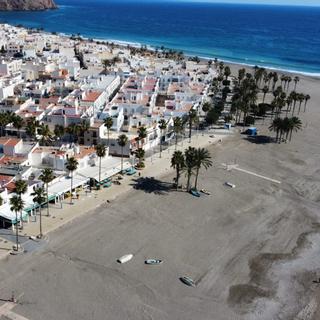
[9,5]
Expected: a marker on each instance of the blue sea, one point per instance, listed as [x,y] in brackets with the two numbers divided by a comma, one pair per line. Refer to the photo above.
[280,37]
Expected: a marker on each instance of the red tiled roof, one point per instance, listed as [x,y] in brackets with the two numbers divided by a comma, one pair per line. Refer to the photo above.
[92,96]
[11,142]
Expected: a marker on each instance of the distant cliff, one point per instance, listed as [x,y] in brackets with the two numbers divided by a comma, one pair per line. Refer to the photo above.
[9,5]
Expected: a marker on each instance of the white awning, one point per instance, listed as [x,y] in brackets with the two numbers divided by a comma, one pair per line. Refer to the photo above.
[63,185]
[109,167]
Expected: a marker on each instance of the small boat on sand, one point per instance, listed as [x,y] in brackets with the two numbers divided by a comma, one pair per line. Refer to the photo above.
[125,258]
[195,193]
[153,262]
[188,281]
[205,192]
[229,184]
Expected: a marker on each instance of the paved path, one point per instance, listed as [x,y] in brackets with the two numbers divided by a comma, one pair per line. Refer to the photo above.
[6,310]
[88,201]
[230,167]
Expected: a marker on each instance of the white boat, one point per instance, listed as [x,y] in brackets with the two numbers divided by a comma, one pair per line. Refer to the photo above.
[231,185]
[125,258]
[205,192]
[188,281]
[153,261]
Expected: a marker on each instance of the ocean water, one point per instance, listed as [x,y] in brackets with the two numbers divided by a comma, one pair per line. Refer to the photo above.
[279,37]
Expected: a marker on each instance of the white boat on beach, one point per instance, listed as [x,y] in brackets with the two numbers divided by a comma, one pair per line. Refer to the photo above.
[229,184]
[153,262]
[125,258]
[208,193]
[188,281]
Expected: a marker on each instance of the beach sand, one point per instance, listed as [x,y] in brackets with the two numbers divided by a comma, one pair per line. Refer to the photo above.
[252,250]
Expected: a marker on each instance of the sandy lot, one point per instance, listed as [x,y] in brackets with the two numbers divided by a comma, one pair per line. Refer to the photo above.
[253,251]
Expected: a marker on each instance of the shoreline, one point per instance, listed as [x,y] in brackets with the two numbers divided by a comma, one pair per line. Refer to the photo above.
[225,60]
[136,44]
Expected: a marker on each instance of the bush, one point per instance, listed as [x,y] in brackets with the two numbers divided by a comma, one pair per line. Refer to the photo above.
[226,83]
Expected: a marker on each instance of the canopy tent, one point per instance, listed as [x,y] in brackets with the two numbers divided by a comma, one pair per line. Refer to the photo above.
[63,185]
[109,167]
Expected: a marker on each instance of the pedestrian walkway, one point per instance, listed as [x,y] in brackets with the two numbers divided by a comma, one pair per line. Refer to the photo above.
[6,311]
[64,212]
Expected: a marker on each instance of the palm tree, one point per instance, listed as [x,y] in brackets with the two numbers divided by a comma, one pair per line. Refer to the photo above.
[206,107]
[296,79]
[140,153]
[108,123]
[295,125]
[142,134]
[82,128]
[276,126]
[73,131]
[5,119]
[39,198]
[31,128]
[122,142]
[59,131]
[227,72]
[265,90]
[46,134]
[192,118]
[46,177]
[288,81]
[17,123]
[300,99]
[21,188]
[306,99]
[162,127]
[202,158]
[190,164]
[16,205]
[283,80]
[71,166]
[177,128]
[178,163]
[289,101]
[241,75]
[101,153]
[294,96]
[221,67]
[275,79]
[106,65]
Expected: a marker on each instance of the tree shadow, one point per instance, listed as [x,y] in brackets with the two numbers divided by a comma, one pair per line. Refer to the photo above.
[152,185]
[260,139]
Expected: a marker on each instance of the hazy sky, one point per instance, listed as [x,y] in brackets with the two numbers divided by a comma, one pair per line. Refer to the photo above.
[287,2]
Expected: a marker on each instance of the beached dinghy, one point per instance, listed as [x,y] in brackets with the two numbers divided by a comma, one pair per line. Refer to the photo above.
[205,192]
[188,281]
[125,258]
[231,185]
[153,261]
[195,193]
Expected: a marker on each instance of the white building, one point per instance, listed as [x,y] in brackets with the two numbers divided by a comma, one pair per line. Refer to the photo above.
[10,67]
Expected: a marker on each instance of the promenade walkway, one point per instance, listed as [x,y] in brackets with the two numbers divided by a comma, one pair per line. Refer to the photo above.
[65,212]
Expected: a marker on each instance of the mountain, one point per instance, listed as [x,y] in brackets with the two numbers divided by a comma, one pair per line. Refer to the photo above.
[10,5]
